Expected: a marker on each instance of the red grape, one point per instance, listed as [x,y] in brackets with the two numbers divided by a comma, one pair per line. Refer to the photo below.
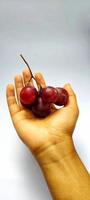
[28,96]
[41,109]
[62,97]
[49,94]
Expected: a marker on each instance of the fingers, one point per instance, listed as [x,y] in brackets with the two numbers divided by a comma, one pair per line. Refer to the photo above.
[27,77]
[72,97]
[20,82]
[11,100]
[40,80]
[18,85]
[38,76]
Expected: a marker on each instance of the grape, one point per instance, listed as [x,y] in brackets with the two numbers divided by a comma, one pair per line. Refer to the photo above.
[28,96]
[62,97]
[49,94]
[40,102]
[41,109]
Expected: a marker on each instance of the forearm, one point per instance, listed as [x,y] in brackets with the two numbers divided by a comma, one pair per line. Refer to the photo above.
[64,172]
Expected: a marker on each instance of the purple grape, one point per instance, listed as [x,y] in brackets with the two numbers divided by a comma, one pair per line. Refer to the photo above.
[41,109]
[63,97]
[28,96]
[49,94]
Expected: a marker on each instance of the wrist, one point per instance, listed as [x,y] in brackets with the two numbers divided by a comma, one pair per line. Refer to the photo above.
[64,172]
[54,153]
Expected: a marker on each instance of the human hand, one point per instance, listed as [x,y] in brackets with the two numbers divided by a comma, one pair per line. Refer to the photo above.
[50,140]
[41,134]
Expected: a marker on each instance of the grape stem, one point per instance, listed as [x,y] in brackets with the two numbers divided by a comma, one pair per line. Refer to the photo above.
[32,76]
[27,66]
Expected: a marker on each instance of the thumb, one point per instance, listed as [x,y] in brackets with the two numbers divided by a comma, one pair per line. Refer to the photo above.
[72,97]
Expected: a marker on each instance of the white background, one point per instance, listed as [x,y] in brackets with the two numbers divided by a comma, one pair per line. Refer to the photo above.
[54,36]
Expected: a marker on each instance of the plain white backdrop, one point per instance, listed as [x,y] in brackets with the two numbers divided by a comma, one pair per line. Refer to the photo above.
[54,36]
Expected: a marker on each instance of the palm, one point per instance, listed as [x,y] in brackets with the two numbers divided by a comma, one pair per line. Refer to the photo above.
[37,132]
[31,130]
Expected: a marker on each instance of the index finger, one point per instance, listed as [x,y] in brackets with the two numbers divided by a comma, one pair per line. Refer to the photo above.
[40,80]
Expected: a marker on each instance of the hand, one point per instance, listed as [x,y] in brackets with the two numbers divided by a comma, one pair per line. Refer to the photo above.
[50,139]
[39,134]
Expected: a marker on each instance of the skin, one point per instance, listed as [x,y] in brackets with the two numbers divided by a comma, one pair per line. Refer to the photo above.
[50,140]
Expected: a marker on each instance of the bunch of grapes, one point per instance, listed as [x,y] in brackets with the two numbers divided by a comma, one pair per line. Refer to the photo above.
[40,101]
